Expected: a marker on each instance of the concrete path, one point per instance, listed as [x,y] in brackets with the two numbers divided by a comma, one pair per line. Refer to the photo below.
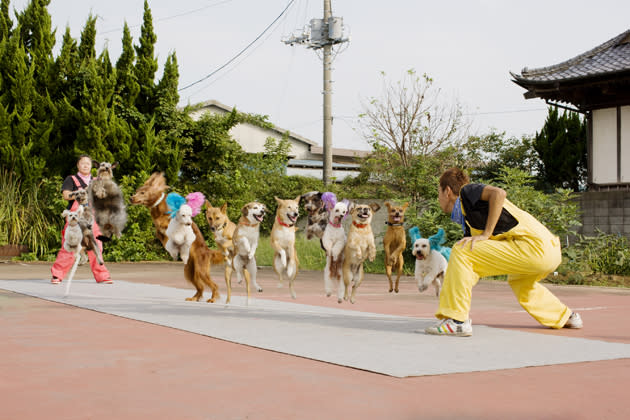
[136,349]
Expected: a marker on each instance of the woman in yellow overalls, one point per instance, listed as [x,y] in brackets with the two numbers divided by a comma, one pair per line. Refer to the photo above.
[499,239]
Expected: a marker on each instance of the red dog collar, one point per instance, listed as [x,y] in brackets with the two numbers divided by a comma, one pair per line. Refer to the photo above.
[359,225]
[282,223]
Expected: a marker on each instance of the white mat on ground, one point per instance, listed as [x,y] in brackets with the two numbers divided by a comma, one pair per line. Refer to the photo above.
[373,342]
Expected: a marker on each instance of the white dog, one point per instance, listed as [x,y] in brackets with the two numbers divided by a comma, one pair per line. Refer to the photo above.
[180,234]
[334,241]
[73,235]
[245,241]
[430,265]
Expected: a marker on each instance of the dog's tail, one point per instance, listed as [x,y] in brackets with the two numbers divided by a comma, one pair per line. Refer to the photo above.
[216,257]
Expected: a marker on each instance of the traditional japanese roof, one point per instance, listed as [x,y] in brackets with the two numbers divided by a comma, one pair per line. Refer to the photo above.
[595,79]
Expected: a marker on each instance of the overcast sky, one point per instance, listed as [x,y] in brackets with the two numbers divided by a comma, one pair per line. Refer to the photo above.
[467,46]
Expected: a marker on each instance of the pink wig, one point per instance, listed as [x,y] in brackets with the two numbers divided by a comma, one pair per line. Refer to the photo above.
[195,200]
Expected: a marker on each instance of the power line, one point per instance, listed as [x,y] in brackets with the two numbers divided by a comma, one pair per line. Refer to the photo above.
[242,51]
[171,17]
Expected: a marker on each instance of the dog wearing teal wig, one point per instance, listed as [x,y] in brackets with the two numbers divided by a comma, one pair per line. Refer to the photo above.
[431,259]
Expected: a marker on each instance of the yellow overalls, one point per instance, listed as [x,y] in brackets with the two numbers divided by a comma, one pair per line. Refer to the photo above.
[527,253]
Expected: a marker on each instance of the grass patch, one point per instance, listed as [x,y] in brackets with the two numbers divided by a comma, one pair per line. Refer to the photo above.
[310,253]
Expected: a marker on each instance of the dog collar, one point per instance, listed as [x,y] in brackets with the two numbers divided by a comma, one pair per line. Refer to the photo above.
[393,224]
[359,225]
[337,225]
[159,200]
[282,223]
[248,224]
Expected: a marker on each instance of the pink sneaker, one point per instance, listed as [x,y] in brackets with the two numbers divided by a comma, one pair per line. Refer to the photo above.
[55,280]
[106,281]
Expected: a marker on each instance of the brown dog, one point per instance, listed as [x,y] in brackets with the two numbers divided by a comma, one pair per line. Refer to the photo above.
[197,269]
[359,246]
[285,259]
[394,242]
[223,229]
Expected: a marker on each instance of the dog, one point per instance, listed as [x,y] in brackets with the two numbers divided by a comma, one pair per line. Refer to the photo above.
[180,232]
[334,241]
[86,222]
[106,199]
[285,258]
[430,263]
[359,246]
[245,241]
[73,235]
[197,270]
[223,229]
[317,215]
[394,242]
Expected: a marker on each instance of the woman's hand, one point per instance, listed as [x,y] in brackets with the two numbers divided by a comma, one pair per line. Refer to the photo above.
[472,239]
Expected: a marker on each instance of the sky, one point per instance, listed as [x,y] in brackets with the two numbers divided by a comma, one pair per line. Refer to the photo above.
[468,47]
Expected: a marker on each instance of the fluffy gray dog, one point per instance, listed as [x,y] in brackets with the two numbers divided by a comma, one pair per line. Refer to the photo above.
[106,199]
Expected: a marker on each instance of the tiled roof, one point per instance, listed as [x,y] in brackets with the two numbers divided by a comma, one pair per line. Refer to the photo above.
[611,57]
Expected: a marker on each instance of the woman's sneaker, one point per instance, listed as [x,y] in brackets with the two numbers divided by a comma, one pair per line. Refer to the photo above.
[451,327]
[574,321]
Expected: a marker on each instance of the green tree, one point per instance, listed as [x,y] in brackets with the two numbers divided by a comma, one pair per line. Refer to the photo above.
[487,154]
[561,146]
[146,63]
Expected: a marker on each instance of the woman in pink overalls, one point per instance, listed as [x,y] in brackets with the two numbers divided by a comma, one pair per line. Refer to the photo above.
[65,259]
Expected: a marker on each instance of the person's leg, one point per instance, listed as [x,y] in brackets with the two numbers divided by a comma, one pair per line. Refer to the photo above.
[100,272]
[538,301]
[489,258]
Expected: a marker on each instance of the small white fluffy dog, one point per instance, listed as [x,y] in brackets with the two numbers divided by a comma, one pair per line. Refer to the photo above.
[334,241]
[180,234]
[73,235]
[430,265]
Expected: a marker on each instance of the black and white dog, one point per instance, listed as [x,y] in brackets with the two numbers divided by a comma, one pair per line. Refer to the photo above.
[317,214]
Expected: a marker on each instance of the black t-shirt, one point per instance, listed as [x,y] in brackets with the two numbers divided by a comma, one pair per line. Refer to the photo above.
[69,185]
[476,211]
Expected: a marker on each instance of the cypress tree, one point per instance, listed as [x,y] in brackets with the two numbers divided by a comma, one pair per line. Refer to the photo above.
[146,64]
[127,88]
[6,24]
[561,146]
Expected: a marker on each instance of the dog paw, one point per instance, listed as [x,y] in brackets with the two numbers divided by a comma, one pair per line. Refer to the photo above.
[396,290]
[391,289]
[339,300]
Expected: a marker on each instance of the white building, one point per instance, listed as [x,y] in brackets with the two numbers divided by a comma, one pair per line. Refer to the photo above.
[305,156]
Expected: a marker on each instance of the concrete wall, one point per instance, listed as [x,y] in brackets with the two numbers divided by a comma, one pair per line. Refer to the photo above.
[608,211]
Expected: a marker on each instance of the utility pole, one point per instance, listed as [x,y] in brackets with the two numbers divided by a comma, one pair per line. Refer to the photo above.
[323,34]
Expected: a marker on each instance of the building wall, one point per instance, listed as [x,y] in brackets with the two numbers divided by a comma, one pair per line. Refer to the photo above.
[608,211]
[252,139]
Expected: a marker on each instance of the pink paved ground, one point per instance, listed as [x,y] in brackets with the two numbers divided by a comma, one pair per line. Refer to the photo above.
[62,362]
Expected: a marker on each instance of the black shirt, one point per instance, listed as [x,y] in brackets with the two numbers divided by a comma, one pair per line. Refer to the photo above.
[69,185]
[476,211]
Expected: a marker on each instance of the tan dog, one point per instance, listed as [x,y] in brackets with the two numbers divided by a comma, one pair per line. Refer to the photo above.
[223,229]
[394,242]
[359,246]
[285,259]
[197,269]
[245,240]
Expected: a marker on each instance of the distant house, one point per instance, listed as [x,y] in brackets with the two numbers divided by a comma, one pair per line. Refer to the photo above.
[305,156]
[597,84]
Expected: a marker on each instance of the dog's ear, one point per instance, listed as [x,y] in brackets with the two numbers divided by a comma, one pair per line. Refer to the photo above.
[208,205]
[404,206]
[297,199]
[351,206]
[115,165]
[245,209]
[277,199]
[95,164]
[375,207]
[388,205]
[65,213]
[224,208]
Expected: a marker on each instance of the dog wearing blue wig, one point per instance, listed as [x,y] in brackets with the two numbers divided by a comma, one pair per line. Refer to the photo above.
[431,259]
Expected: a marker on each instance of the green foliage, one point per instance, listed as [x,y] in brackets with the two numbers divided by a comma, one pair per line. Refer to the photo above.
[561,146]
[24,217]
[487,154]
[602,254]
